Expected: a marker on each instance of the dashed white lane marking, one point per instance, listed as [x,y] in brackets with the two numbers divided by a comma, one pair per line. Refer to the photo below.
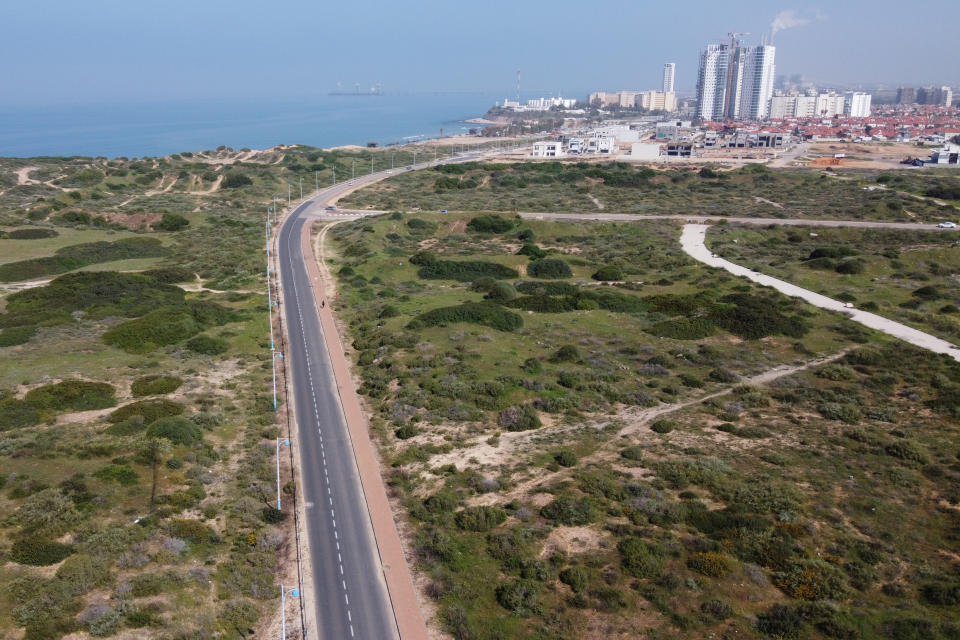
[323,455]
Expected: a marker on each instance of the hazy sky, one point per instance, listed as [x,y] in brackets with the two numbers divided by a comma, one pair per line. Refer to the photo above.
[66,51]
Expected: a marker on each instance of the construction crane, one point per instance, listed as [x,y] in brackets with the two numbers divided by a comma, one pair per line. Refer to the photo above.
[733,37]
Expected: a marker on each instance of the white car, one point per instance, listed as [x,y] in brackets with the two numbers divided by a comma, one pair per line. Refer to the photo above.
[947,225]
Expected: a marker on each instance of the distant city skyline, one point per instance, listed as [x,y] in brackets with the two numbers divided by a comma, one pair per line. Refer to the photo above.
[113,50]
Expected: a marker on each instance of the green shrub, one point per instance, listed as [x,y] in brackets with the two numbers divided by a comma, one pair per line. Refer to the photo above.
[812,580]
[639,559]
[853,266]
[906,450]
[207,345]
[569,511]
[717,609]
[421,226]
[192,531]
[526,235]
[608,273]
[420,258]
[663,426]
[465,271]
[683,328]
[519,418]
[549,268]
[80,573]
[532,251]
[154,330]
[780,621]
[169,275]
[941,594]
[634,452]
[481,518]
[233,179]
[175,429]
[38,552]
[482,313]
[501,292]
[148,410]
[408,430]
[710,563]
[842,411]
[72,395]
[16,335]
[566,353]
[119,473]
[171,222]
[155,385]
[575,577]
[490,224]
[30,233]
[519,597]
[928,292]
[565,458]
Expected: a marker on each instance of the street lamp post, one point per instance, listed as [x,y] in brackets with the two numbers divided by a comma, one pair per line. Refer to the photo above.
[371,164]
[353,169]
[316,179]
[286,443]
[334,174]
[301,187]
[392,153]
[284,590]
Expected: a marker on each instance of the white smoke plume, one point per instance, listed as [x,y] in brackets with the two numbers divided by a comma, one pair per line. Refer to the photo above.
[789,19]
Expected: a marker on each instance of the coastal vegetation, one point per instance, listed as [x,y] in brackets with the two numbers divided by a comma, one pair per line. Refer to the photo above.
[661,456]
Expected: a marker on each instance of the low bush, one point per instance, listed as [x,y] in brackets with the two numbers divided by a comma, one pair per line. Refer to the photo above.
[519,597]
[119,473]
[465,271]
[608,273]
[490,224]
[30,233]
[663,426]
[569,511]
[575,577]
[81,255]
[16,335]
[519,418]
[38,552]
[207,345]
[634,452]
[549,268]
[565,458]
[234,179]
[710,563]
[566,353]
[175,429]
[640,559]
[532,251]
[171,222]
[481,518]
[717,609]
[780,621]
[192,531]
[407,431]
[812,580]
[147,410]
[72,395]
[155,385]
[482,313]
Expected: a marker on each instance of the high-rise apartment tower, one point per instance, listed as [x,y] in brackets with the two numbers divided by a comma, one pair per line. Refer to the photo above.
[712,81]
[669,72]
[735,81]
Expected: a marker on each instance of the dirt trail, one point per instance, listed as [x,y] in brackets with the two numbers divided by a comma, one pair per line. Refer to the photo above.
[23,176]
[595,201]
[634,419]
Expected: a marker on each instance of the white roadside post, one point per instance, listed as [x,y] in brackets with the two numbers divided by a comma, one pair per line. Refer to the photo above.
[286,443]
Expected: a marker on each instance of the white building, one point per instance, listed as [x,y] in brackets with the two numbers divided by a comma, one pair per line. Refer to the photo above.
[547,149]
[644,151]
[755,81]
[949,154]
[856,104]
[657,101]
[576,145]
[829,105]
[545,104]
[669,72]
[712,81]
[783,107]
[601,144]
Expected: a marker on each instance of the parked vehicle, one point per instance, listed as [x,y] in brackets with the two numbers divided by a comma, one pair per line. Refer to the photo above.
[947,225]
[331,208]
[444,211]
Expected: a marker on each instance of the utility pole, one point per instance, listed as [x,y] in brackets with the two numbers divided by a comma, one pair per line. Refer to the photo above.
[392,153]
[353,169]
[316,178]
[288,194]
[371,165]
[334,174]
[414,157]
[301,187]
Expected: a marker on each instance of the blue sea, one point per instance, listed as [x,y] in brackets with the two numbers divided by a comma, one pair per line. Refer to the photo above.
[157,129]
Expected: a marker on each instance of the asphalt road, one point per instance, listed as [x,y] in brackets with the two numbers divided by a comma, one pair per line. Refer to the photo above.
[348,591]
[792,222]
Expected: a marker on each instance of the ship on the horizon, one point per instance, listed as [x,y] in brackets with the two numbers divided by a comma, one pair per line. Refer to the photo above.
[375,90]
